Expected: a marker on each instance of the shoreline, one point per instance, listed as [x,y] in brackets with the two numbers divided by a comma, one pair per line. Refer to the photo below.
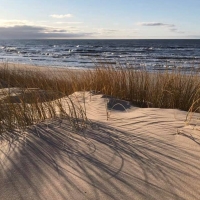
[23,66]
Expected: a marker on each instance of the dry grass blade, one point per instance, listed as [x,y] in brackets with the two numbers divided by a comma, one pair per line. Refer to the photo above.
[31,96]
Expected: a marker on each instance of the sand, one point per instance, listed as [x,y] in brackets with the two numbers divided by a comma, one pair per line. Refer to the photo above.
[132,153]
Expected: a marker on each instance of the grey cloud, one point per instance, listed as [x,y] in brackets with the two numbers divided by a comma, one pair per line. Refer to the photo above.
[109,31]
[36,32]
[176,30]
[58,31]
[173,29]
[155,24]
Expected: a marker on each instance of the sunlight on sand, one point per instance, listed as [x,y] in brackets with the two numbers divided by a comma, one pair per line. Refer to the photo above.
[136,153]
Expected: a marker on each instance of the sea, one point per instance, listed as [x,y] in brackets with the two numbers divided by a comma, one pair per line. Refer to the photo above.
[138,54]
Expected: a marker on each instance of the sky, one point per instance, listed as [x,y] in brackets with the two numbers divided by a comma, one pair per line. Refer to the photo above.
[99,19]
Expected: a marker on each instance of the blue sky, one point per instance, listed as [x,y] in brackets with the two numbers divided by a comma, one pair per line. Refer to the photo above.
[99,19]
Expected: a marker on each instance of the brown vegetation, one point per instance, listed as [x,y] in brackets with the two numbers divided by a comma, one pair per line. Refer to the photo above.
[31,96]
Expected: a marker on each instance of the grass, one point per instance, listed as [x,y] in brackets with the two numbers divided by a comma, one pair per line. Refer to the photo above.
[174,89]
[29,97]
[33,96]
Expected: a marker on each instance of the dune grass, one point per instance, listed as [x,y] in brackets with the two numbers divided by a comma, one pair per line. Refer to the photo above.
[169,89]
[31,96]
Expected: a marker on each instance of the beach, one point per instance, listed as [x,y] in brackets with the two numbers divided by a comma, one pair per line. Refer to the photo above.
[120,152]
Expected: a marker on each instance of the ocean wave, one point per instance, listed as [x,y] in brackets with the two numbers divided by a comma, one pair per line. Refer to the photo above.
[81,52]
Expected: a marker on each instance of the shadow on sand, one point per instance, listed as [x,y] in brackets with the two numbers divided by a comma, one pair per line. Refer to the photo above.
[98,163]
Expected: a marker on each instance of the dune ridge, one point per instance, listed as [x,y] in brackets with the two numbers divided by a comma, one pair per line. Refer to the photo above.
[138,153]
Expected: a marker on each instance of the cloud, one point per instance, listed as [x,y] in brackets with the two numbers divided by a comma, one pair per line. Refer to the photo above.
[176,30]
[69,22]
[107,30]
[61,16]
[171,27]
[154,24]
[15,22]
[114,31]
[38,32]
[4,22]
[104,31]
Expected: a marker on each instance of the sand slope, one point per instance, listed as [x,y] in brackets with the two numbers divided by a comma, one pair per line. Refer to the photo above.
[135,154]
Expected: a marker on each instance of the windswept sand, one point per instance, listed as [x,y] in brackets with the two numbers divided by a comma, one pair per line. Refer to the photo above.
[135,154]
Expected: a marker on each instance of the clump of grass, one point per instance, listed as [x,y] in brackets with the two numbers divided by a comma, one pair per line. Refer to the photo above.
[38,94]
[30,97]
[169,89]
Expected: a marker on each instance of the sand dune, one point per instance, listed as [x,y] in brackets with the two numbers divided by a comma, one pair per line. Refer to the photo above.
[130,154]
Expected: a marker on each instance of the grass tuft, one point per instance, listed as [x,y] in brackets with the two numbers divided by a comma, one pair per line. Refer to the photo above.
[29,96]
